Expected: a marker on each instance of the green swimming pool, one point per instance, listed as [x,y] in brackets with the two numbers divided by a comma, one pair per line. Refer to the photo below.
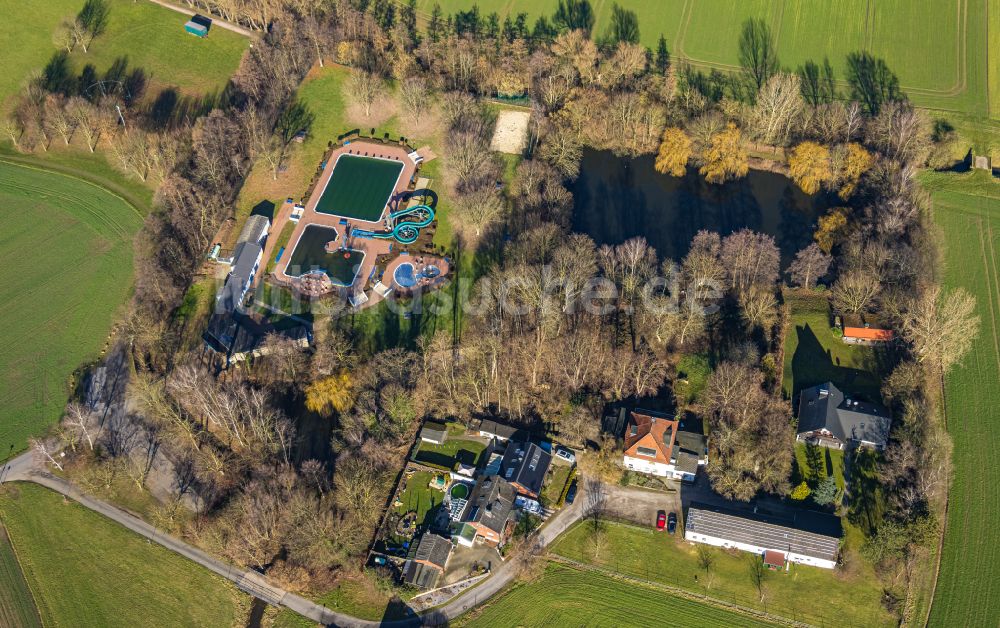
[360,187]
[310,254]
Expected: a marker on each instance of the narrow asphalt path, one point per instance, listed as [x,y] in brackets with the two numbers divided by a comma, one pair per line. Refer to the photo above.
[26,468]
[216,20]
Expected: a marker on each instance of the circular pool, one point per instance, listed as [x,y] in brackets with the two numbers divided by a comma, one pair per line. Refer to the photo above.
[459,491]
[430,271]
[404,276]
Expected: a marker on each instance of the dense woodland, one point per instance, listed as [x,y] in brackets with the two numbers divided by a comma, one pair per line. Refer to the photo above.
[559,328]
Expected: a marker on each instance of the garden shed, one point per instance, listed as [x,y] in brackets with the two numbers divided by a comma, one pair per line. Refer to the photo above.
[198,25]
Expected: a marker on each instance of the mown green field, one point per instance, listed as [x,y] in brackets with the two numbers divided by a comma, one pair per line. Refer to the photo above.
[652,555]
[85,570]
[66,247]
[151,36]
[564,596]
[17,606]
[940,49]
[967,209]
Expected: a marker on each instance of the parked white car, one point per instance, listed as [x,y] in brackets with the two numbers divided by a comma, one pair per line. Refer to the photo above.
[565,454]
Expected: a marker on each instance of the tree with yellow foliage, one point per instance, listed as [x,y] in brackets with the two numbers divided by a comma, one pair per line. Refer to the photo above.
[725,158]
[330,393]
[830,228]
[810,166]
[675,150]
[856,162]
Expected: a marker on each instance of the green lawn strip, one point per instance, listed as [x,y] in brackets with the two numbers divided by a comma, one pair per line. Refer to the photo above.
[692,372]
[565,596]
[813,355]
[367,598]
[85,570]
[17,606]
[968,586]
[653,555]
[453,450]
[64,240]
[282,243]
[555,482]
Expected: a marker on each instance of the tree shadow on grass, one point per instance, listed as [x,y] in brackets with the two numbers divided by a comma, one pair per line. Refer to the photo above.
[813,364]
[865,500]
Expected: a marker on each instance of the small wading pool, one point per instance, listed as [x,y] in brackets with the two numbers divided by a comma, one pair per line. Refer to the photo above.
[313,252]
[459,491]
[406,277]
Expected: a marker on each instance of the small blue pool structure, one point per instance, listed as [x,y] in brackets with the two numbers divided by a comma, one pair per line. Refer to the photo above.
[406,276]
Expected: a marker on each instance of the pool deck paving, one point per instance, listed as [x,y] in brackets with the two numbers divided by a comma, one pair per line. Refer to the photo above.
[372,247]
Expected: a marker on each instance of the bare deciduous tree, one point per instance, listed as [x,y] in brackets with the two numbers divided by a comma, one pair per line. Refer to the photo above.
[809,266]
[942,326]
[855,290]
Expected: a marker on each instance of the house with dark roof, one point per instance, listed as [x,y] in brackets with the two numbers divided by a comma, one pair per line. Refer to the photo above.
[805,537]
[246,261]
[829,418]
[690,450]
[524,465]
[426,561]
[490,509]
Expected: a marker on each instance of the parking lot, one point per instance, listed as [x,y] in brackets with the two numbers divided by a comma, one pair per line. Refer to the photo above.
[640,505]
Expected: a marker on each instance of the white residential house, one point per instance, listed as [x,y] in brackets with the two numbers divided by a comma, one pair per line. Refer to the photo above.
[663,446]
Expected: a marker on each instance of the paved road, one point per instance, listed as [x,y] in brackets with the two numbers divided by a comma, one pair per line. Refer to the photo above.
[502,576]
[27,469]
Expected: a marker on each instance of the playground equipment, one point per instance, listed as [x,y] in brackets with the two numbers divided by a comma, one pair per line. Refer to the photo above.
[403,231]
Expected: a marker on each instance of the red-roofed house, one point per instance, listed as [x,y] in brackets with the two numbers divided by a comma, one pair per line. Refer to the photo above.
[866,335]
[649,443]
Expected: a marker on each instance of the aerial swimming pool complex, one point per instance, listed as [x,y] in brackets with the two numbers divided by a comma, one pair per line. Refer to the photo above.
[364,210]
[360,187]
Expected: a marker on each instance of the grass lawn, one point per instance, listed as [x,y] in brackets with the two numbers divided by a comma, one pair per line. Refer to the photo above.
[940,49]
[564,596]
[418,496]
[85,570]
[150,36]
[815,463]
[17,606]
[693,371]
[813,355]
[555,482]
[67,246]
[652,555]
[967,208]
[451,451]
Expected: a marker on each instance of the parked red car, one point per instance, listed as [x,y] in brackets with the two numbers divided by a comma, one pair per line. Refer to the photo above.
[661,520]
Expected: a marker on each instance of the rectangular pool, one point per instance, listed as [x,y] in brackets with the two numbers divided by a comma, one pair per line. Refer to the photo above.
[359,187]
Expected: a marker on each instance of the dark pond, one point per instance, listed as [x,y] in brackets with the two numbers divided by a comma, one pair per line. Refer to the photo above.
[616,198]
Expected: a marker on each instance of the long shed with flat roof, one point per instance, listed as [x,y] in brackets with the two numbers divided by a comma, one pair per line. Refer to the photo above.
[751,532]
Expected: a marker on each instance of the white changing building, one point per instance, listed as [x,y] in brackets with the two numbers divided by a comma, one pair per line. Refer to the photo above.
[758,534]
